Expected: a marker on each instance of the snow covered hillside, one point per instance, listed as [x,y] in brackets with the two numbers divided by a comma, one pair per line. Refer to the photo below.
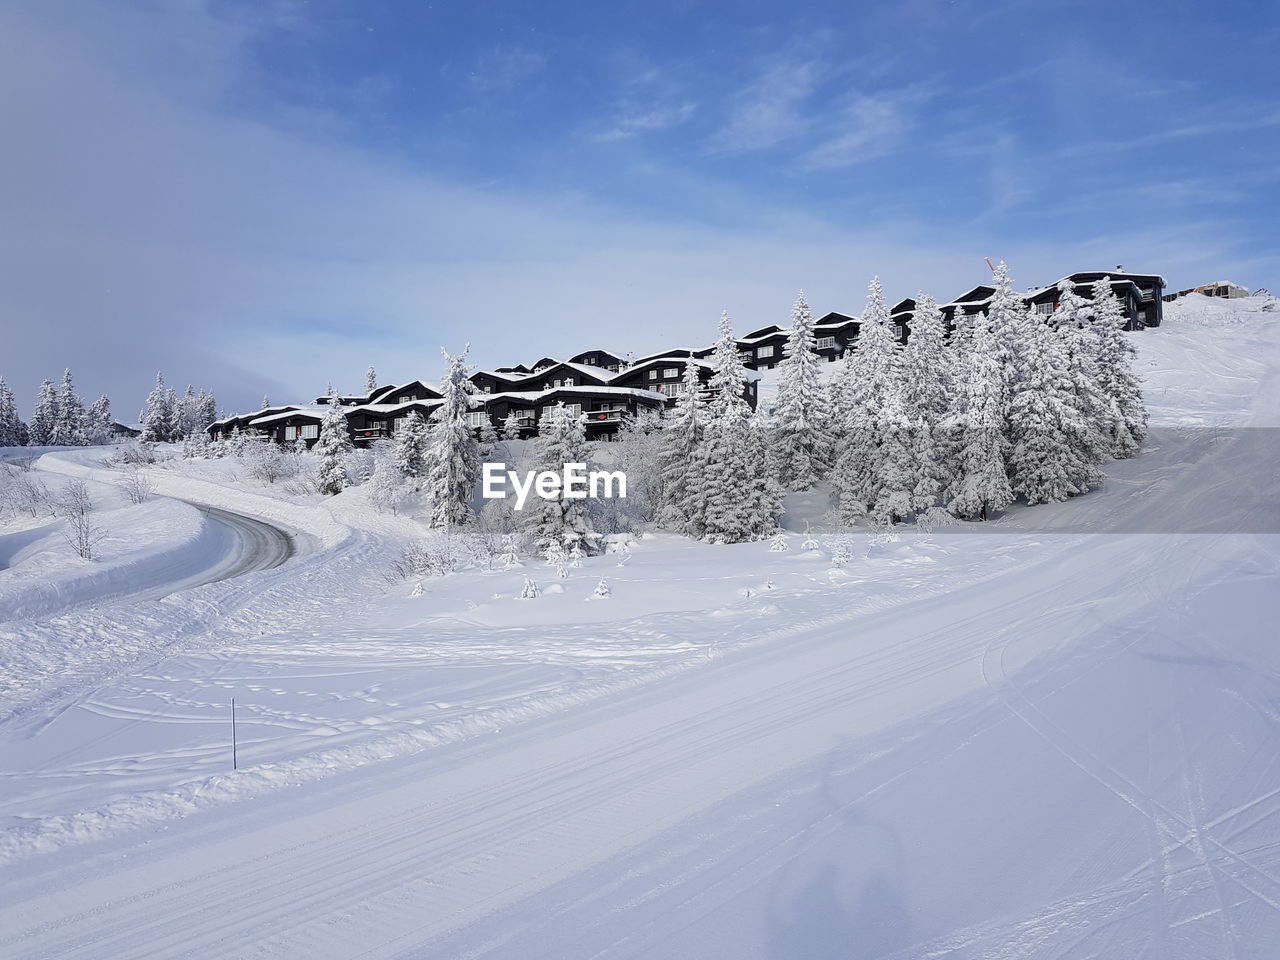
[1054,739]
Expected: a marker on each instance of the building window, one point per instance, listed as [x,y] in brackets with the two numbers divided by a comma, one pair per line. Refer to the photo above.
[672,389]
[1045,308]
[653,374]
[310,431]
[291,433]
[899,330]
[670,373]
[405,399]
[477,418]
[575,409]
[767,351]
[826,343]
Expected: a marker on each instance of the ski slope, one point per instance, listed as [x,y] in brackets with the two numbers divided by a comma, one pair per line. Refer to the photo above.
[1039,739]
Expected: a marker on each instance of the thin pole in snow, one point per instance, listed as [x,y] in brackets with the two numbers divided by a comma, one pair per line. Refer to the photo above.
[234,758]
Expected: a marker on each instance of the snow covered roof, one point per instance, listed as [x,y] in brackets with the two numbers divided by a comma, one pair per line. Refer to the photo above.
[314,412]
[388,391]
[754,338]
[534,396]
[602,350]
[600,373]
[840,322]
[246,417]
[393,407]
[658,361]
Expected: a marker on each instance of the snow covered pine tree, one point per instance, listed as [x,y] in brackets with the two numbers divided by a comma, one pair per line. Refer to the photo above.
[560,522]
[800,439]
[332,449]
[739,496]
[453,456]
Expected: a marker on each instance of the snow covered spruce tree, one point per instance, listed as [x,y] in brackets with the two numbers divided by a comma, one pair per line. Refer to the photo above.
[370,380]
[871,371]
[13,432]
[906,472]
[332,449]
[388,486]
[98,420]
[560,522]
[739,499]
[69,421]
[802,414]
[1116,377]
[679,461]
[981,481]
[1044,463]
[45,415]
[157,416]
[453,457]
[928,368]
[1079,359]
[409,449]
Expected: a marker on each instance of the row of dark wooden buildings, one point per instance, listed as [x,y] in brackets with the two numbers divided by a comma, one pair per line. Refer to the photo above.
[607,387]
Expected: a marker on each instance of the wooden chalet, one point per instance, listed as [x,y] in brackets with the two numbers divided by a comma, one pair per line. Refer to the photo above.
[1045,301]
[1150,293]
[664,375]
[763,349]
[834,333]
[968,304]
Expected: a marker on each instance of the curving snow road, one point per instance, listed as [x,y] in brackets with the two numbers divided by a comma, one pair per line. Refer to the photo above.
[260,546]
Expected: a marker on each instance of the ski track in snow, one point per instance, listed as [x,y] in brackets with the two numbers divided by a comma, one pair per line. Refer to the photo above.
[1014,746]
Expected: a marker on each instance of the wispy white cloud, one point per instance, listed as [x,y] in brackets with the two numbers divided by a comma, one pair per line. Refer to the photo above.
[771,109]
[660,117]
[866,127]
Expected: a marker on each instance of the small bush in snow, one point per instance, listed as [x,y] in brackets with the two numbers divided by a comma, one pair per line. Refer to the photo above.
[80,531]
[529,591]
[601,591]
[134,453]
[778,543]
[439,554]
[136,485]
[840,551]
[21,492]
[83,535]
[268,462]
[74,501]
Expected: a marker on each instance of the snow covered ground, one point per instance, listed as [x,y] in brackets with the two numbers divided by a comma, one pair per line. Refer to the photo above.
[1036,742]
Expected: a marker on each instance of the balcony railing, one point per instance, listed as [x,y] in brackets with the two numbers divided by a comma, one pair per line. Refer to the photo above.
[605,416]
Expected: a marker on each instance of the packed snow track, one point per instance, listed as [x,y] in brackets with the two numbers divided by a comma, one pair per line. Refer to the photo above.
[262,546]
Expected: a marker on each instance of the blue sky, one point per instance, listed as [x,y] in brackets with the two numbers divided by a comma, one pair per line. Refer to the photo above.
[266,196]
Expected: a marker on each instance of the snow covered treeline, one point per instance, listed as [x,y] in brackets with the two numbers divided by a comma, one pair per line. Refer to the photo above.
[1012,403]
[168,416]
[59,418]
[1008,404]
